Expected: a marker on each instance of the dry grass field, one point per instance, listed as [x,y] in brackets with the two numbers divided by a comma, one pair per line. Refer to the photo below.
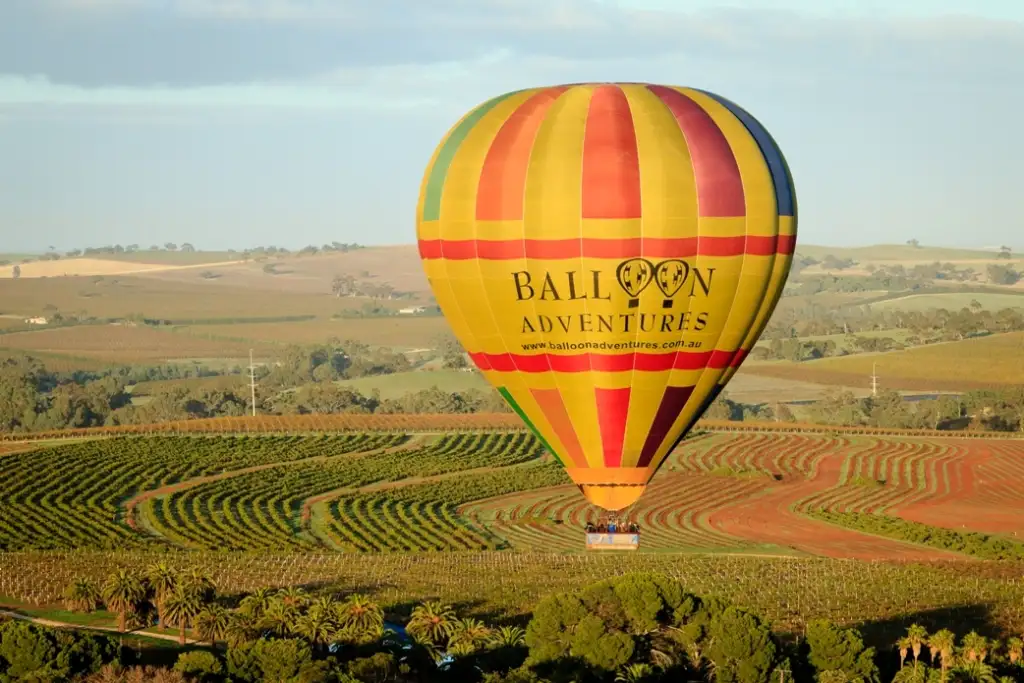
[112,297]
[397,266]
[407,332]
[91,266]
[973,363]
[123,344]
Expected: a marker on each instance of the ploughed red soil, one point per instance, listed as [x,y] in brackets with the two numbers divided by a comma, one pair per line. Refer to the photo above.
[768,518]
[985,492]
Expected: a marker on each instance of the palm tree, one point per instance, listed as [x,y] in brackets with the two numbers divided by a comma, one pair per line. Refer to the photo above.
[197,580]
[82,596]
[163,580]
[432,622]
[316,626]
[1014,649]
[123,591]
[361,617]
[468,635]
[241,628]
[917,636]
[974,671]
[256,603]
[903,645]
[293,596]
[974,647]
[181,608]
[212,624]
[941,644]
[508,636]
[634,673]
[278,618]
[915,673]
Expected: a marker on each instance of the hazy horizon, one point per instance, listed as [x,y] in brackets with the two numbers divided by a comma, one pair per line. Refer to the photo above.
[290,122]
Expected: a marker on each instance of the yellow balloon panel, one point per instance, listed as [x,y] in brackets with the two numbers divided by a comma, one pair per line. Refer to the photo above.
[607,254]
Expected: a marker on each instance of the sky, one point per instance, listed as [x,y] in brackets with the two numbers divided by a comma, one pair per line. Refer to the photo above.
[238,123]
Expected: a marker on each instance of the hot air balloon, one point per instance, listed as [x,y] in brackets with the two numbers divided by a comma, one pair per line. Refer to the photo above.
[607,254]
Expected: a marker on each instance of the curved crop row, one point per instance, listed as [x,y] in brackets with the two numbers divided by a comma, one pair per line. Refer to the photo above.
[427,516]
[984,546]
[262,510]
[68,496]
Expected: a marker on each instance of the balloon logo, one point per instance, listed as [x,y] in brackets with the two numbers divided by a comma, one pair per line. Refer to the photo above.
[634,275]
[670,276]
[543,218]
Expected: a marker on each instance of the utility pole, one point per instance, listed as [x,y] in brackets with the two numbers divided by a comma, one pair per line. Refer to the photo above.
[252,383]
[874,379]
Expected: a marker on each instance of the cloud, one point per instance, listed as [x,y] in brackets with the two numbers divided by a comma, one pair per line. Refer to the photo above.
[18,90]
[324,54]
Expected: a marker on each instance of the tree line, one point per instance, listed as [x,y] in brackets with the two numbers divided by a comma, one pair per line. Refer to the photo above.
[301,380]
[634,628]
[790,324]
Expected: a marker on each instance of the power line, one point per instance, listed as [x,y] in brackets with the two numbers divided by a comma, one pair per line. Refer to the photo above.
[874,379]
[252,383]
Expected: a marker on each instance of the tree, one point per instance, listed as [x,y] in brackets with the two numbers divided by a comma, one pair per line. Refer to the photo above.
[317,626]
[453,356]
[742,648]
[343,285]
[163,580]
[274,660]
[123,592]
[82,596]
[914,243]
[632,619]
[834,649]
[361,618]
[16,272]
[199,666]
[432,623]
[33,653]
[181,608]
[187,247]
[212,624]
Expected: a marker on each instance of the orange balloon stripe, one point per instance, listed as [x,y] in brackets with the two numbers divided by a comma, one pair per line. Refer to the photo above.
[612,407]
[719,185]
[606,362]
[551,404]
[611,161]
[596,247]
[503,177]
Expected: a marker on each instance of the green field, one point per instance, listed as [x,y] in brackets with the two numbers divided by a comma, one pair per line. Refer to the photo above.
[407,516]
[377,492]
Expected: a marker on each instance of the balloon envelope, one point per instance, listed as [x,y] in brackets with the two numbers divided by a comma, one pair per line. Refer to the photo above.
[608,254]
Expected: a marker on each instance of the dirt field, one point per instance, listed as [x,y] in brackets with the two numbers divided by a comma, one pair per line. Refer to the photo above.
[399,331]
[398,266]
[81,267]
[121,296]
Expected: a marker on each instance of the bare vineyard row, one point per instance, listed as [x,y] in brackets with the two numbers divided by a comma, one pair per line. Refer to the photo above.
[445,422]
